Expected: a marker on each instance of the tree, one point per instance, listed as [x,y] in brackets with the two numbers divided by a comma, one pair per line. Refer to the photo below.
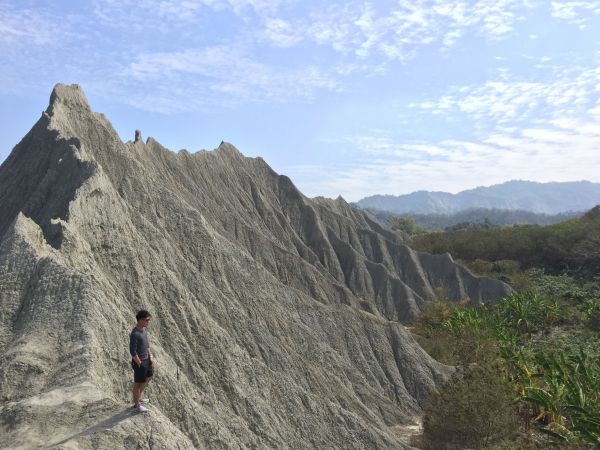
[406,224]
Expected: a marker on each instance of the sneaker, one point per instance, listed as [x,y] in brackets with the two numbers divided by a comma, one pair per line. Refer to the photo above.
[141,409]
[144,400]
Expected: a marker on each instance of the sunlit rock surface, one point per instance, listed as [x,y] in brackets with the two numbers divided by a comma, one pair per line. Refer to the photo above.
[277,318]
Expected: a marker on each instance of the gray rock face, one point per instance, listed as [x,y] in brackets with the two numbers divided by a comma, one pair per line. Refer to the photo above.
[277,319]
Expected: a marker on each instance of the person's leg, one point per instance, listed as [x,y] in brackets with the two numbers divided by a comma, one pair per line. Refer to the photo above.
[148,376]
[142,387]
[137,393]
[139,378]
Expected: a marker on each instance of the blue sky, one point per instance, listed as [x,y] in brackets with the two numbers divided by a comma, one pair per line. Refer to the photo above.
[348,98]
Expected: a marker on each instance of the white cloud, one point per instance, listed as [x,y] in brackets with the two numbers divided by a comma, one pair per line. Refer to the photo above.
[133,13]
[512,100]
[199,78]
[397,32]
[595,111]
[381,144]
[183,10]
[575,12]
[281,33]
[553,153]
[261,7]
[30,27]
[136,15]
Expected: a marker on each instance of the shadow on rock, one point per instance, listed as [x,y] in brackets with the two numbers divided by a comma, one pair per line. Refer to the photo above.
[106,424]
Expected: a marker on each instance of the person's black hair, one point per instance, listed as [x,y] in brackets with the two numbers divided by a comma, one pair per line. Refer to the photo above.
[142,314]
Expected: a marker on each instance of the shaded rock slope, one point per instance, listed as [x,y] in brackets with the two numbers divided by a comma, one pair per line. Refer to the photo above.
[277,318]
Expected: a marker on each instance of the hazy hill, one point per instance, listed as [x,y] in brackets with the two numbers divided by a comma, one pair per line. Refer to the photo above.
[277,319]
[545,198]
[475,216]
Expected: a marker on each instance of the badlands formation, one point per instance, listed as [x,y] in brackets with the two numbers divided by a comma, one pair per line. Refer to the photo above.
[278,319]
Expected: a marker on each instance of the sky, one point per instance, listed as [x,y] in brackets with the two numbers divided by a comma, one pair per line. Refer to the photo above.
[350,98]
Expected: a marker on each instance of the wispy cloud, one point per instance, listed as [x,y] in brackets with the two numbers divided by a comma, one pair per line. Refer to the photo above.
[133,13]
[281,33]
[199,78]
[537,154]
[29,27]
[381,144]
[575,12]
[399,31]
[140,14]
[503,101]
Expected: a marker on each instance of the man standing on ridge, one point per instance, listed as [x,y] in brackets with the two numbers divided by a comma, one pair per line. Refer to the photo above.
[142,361]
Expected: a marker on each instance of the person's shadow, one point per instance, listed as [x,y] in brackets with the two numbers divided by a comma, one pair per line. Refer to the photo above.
[106,424]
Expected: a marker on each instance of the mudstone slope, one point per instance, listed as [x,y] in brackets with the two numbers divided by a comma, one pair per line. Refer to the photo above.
[278,320]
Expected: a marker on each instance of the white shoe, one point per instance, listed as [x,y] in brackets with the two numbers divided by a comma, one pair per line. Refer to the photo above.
[141,409]
[144,400]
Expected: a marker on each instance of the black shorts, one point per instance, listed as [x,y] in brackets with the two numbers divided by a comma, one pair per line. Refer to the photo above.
[141,373]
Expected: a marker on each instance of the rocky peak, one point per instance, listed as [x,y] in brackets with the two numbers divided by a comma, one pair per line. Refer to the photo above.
[67,97]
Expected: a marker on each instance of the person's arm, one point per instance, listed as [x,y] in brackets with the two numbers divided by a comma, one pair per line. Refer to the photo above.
[152,360]
[133,349]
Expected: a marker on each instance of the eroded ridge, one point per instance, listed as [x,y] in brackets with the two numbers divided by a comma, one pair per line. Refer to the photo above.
[278,318]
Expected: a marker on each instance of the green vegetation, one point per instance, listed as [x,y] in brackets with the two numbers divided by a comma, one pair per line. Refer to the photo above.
[405,224]
[475,218]
[474,409]
[485,224]
[528,367]
[554,376]
[572,246]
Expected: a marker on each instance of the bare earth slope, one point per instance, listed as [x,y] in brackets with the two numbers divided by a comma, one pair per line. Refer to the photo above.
[277,319]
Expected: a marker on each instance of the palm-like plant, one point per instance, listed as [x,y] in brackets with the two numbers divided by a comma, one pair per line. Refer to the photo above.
[568,394]
[469,319]
[591,312]
[526,311]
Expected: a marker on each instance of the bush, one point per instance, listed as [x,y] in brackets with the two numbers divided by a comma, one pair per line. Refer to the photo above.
[525,312]
[473,410]
[446,333]
[406,224]
[591,309]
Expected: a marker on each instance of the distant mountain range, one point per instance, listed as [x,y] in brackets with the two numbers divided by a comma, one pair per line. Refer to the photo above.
[545,198]
[473,217]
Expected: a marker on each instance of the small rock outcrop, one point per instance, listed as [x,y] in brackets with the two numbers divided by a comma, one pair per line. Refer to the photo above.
[278,320]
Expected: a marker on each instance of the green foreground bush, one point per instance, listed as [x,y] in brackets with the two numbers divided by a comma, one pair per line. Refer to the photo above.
[473,410]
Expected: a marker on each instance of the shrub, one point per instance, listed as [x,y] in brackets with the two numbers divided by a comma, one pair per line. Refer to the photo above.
[473,410]
[528,311]
[405,224]
[451,333]
[591,310]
